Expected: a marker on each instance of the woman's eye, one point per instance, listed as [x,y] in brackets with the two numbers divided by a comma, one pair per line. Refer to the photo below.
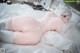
[64,16]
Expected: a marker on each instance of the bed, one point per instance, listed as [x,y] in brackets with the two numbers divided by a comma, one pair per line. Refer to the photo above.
[7,11]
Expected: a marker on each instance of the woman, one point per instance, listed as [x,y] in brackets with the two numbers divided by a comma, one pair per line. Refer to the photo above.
[29,31]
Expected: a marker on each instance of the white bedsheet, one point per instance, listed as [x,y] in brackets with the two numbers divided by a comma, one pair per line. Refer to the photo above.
[72,32]
[8,11]
[40,48]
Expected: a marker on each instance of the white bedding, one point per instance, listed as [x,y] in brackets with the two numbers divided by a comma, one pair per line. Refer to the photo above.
[13,10]
[40,48]
[51,42]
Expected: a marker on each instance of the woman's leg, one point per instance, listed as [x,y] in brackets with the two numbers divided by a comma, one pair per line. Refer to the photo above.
[27,38]
[6,36]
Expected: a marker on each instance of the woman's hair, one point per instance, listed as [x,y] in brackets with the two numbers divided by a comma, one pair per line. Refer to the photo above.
[63,10]
[67,12]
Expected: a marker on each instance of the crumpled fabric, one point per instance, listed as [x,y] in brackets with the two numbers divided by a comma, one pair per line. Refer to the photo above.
[58,41]
[71,31]
[39,48]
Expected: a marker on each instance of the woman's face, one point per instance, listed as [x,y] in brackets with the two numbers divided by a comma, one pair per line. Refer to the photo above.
[65,16]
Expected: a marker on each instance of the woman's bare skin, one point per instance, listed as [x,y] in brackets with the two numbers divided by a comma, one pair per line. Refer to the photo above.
[29,31]
[26,30]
